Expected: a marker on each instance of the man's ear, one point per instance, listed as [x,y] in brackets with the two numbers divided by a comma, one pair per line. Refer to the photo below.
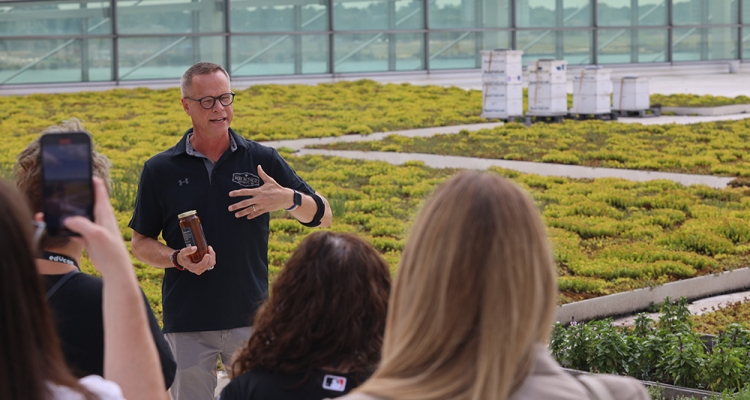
[185,105]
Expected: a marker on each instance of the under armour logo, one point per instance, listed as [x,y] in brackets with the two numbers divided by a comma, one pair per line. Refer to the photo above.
[183,182]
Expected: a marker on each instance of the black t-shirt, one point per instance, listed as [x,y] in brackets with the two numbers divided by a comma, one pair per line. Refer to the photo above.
[77,314]
[262,384]
[173,182]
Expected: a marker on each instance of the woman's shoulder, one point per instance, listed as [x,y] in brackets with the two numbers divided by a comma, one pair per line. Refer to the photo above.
[621,387]
[548,380]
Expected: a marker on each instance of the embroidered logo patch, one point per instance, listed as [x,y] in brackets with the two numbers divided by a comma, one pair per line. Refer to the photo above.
[246,179]
[183,182]
[334,383]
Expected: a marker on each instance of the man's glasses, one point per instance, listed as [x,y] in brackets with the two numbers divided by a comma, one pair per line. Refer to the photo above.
[209,102]
[39,228]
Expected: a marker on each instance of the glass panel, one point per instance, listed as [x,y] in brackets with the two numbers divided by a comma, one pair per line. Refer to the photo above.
[46,61]
[279,55]
[577,13]
[379,52]
[544,13]
[535,13]
[453,50]
[577,47]
[619,12]
[652,45]
[746,42]
[705,12]
[470,14]
[274,16]
[622,46]
[170,16]
[694,44]
[745,12]
[536,45]
[55,18]
[166,57]
[371,15]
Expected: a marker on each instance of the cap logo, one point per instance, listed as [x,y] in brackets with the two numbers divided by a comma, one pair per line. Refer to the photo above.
[334,383]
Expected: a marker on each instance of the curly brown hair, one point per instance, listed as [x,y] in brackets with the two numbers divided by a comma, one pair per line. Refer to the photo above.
[327,309]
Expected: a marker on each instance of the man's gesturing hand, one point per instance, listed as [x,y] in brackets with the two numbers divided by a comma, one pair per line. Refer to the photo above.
[269,197]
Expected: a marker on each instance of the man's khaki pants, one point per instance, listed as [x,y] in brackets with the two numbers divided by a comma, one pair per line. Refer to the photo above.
[196,354]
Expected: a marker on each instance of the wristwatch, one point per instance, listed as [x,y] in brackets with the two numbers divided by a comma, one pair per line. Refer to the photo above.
[297,201]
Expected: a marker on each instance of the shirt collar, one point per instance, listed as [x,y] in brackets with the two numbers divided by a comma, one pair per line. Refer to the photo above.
[192,152]
[184,146]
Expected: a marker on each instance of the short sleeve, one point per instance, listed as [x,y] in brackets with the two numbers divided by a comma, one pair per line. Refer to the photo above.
[285,175]
[147,214]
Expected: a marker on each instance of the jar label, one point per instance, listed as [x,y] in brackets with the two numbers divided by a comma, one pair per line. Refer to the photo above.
[187,234]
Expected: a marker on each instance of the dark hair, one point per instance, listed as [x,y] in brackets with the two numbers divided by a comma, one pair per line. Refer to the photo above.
[201,68]
[328,308]
[30,355]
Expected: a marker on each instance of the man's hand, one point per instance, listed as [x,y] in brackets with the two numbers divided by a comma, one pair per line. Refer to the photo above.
[207,263]
[269,197]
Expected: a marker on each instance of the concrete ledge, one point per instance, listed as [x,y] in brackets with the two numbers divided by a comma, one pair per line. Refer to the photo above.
[640,299]
[709,111]
[670,391]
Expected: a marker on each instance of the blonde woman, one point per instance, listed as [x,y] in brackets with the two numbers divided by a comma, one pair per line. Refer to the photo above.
[473,304]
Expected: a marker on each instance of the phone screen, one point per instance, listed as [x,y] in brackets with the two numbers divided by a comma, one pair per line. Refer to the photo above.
[66,180]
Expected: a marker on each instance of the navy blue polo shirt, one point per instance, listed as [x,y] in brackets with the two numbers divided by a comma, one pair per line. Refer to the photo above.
[173,182]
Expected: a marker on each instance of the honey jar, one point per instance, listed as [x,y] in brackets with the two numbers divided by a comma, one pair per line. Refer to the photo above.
[192,232]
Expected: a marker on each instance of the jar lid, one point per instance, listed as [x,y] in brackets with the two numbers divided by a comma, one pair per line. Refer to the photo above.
[187,214]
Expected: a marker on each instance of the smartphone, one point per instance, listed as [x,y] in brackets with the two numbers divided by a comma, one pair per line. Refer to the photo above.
[67,189]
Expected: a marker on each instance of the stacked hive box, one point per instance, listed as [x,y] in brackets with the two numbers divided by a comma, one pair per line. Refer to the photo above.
[548,95]
[502,92]
[631,94]
[592,91]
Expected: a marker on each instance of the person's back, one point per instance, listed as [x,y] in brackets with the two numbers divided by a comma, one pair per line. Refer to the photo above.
[261,383]
[77,313]
[319,334]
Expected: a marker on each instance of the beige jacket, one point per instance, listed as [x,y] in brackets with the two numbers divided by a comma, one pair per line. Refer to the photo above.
[548,381]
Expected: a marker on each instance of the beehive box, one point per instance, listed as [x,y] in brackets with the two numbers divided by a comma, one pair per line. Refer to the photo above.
[592,91]
[631,93]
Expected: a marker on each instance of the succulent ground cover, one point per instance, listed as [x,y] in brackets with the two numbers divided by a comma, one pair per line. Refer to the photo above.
[609,235]
[717,148]
[670,352]
[718,319]
[693,100]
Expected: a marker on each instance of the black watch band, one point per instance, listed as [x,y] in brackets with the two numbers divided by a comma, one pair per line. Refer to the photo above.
[297,201]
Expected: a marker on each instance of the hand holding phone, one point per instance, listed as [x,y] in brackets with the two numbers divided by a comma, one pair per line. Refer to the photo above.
[66,180]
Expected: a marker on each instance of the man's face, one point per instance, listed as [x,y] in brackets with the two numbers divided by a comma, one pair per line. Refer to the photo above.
[213,122]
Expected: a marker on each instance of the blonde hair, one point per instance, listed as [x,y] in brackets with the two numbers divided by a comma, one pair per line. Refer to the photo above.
[475,291]
[28,172]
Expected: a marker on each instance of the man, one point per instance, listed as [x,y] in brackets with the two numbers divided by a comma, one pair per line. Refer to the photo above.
[76,298]
[233,184]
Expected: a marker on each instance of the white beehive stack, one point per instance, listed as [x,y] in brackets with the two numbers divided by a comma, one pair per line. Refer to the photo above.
[502,90]
[631,94]
[548,95]
[592,91]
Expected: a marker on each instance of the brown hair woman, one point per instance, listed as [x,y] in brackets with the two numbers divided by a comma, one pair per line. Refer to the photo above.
[320,333]
[31,362]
